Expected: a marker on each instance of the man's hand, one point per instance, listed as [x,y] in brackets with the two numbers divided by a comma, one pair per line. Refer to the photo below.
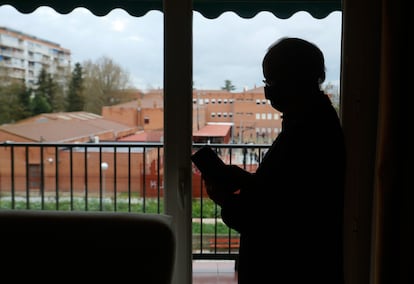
[217,193]
[232,178]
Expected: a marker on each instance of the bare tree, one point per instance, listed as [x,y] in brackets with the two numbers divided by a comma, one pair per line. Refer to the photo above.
[104,81]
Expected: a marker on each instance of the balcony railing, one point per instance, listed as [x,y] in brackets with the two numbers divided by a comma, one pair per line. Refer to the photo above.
[115,176]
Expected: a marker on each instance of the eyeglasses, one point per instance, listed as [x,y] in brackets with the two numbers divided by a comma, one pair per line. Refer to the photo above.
[267,83]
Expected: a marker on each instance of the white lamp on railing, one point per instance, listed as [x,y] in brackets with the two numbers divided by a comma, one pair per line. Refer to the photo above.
[104,167]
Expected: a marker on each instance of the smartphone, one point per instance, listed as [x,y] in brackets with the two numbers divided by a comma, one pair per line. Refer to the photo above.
[208,162]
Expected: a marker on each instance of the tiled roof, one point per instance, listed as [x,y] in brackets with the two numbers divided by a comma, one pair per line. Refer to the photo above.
[66,126]
[144,136]
[213,130]
[149,100]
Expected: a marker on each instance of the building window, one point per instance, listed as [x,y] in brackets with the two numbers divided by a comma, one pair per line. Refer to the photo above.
[146,120]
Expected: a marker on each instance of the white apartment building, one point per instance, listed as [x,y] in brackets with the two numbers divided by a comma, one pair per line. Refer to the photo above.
[22,57]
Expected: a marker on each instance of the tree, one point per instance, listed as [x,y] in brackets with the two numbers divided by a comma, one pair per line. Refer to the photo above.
[332,90]
[14,97]
[76,100]
[41,101]
[228,86]
[104,79]
[14,102]
[23,103]
[48,95]
[40,105]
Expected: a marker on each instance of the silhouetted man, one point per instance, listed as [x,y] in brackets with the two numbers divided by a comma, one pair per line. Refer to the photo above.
[290,211]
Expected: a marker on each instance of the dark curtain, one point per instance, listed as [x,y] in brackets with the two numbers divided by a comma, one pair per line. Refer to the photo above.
[393,201]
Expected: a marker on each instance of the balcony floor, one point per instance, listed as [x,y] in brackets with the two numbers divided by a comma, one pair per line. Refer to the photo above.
[214,272]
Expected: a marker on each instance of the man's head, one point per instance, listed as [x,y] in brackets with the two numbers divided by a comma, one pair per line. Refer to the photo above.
[294,67]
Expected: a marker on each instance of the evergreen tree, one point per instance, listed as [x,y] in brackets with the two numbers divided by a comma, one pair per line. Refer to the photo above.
[76,100]
[47,95]
[23,103]
[228,86]
[55,95]
[40,105]
[41,100]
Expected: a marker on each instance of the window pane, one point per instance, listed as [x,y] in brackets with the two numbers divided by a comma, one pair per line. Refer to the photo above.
[228,54]
[120,54]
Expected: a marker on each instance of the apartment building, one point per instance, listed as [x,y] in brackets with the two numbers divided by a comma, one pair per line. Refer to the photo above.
[22,57]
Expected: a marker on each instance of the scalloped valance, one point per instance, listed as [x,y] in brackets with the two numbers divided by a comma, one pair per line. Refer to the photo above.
[208,8]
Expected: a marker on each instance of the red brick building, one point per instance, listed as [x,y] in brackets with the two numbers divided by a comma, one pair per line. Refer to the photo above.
[250,116]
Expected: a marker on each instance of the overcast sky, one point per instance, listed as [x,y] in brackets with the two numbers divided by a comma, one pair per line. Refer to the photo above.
[226,48]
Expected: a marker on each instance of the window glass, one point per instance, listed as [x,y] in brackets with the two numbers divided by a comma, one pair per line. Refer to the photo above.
[228,53]
[121,56]
[232,48]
